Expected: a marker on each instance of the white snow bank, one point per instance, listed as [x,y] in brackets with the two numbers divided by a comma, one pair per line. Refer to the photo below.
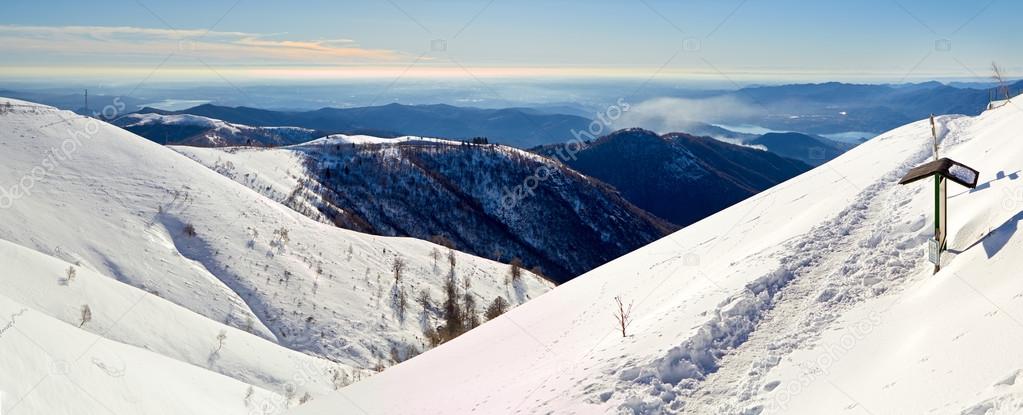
[51,367]
[128,315]
[136,119]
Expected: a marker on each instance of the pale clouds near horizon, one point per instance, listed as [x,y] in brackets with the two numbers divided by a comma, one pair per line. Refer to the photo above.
[668,114]
[125,42]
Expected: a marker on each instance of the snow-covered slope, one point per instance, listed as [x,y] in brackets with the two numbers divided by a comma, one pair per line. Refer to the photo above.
[122,313]
[812,297]
[194,130]
[201,272]
[51,367]
[492,201]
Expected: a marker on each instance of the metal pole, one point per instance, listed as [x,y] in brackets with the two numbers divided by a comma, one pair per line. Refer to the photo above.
[937,219]
[940,214]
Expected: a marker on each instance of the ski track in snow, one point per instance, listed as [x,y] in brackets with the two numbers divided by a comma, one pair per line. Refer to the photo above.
[866,251]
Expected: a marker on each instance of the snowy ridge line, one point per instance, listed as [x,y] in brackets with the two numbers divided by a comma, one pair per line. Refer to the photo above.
[336,139]
[681,371]
[240,296]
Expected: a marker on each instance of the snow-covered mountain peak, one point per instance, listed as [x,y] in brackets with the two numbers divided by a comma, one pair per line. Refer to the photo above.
[490,200]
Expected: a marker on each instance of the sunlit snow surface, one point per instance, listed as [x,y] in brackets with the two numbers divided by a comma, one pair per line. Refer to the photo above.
[233,317]
[813,297]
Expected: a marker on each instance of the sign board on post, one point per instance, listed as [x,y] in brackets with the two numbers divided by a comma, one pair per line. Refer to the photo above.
[942,204]
[933,253]
[942,170]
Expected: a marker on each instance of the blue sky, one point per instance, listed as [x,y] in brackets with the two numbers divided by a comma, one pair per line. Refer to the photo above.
[754,40]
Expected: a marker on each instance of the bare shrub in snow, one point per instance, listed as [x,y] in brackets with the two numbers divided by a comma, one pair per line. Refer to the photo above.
[289,392]
[433,336]
[253,235]
[425,300]
[398,268]
[86,315]
[471,315]
[221,337]
[189,231]
[539,273]
[515,270]
[454,319]
[496,308]
[435,254]
[623,316]
[69,276]
[442,241]
[339,378]
[281,239]
[400,301]
[998,74]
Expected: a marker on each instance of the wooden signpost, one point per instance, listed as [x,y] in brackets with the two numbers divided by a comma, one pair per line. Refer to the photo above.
[943,170]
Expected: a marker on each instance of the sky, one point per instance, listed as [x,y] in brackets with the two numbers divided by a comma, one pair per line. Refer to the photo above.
[738,41]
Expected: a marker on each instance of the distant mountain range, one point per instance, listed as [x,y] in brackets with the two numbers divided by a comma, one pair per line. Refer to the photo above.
[484,199]
[679,177]
[835,107]
[823,109]
[518,127]
[806,148]
[198,131]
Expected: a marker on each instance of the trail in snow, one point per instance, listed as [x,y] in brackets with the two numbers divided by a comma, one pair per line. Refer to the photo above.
[866,251]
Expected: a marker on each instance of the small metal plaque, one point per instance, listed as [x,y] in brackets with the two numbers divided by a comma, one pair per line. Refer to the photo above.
[933,254]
